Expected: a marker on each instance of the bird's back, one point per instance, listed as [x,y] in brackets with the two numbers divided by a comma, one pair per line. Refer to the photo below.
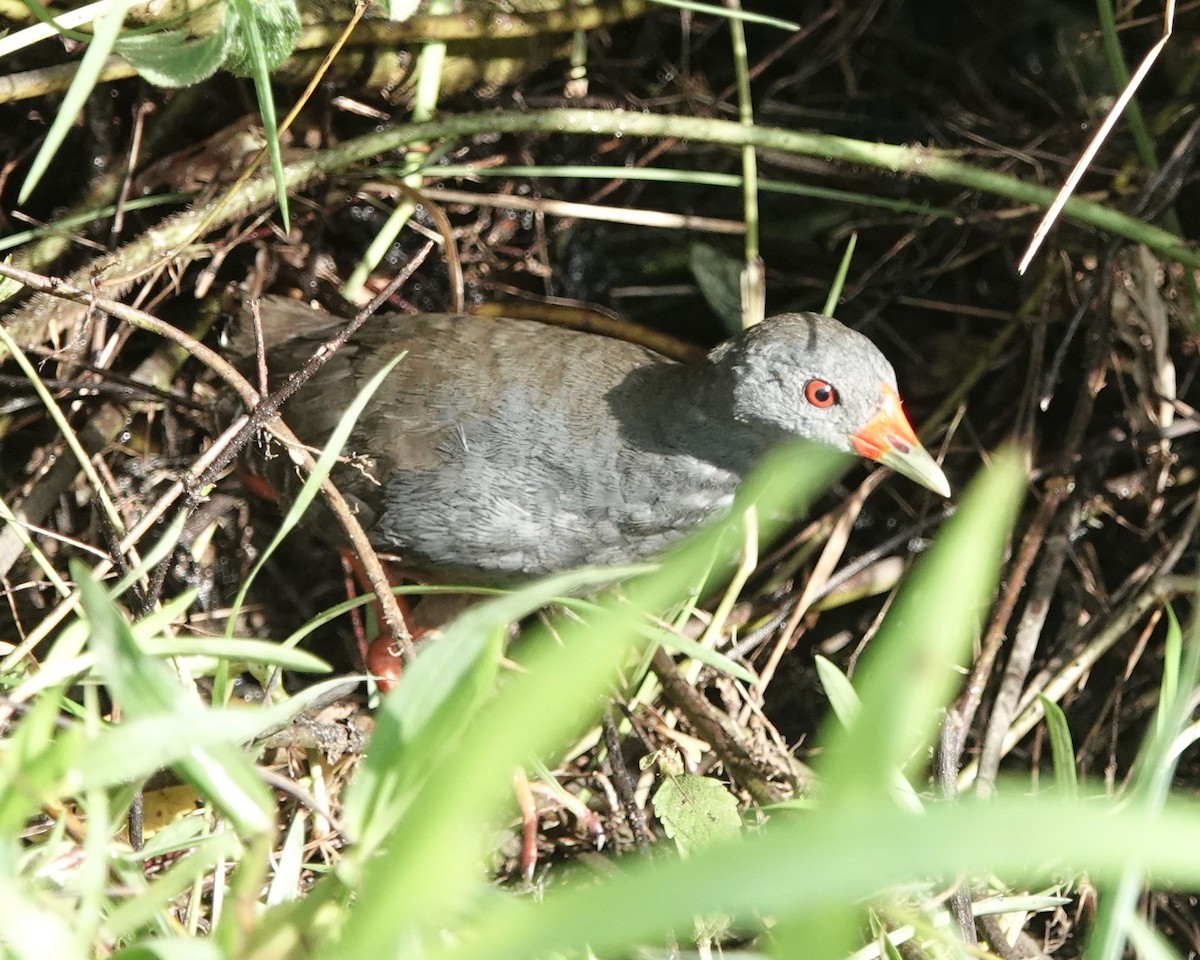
[496,448]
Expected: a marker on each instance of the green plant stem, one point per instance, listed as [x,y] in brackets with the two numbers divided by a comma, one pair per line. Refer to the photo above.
[1120,76]
[425,100]
[754,296]
[1119,69]
[116,271]
[939,166]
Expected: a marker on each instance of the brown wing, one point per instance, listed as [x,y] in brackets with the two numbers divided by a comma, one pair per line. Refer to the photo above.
[490,446]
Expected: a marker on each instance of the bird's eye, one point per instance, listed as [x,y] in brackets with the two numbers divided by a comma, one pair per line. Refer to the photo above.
[820,393]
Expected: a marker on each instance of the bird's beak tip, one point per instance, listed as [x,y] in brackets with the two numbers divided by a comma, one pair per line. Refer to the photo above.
[889,439]
[916,463]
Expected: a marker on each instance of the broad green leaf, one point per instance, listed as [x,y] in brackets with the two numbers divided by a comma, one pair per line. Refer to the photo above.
[696,811]
[425,872]
[171,58]
[812,864]
[266,29]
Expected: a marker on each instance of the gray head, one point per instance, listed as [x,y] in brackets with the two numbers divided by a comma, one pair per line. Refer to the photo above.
[805,375]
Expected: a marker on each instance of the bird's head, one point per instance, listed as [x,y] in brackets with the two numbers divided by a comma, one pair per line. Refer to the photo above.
[805,375]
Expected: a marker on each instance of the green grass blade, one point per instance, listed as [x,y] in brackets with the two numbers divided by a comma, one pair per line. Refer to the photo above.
[146,688]
[425,868]
[913,664]
[267,31]
[1156,765]
[812,864]
[1062,749]
[104,37]
[839,280]
[139,747]
[312,483]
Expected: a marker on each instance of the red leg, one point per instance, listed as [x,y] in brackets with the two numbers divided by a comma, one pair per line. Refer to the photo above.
[529,824]
[381,657]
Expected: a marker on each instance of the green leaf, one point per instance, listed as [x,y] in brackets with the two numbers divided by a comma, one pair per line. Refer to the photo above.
[9,288]
[133,913]
[312,483]
[1172,732]
[437,699]
[696,811]
[35,926]
[913,664]
[259,653]
[1061,747]
[1165,724]
[263,31]
[678,643]
[426,871]
[718,276]
[171,58]
[827,861]
[43,14]
[34,762]
[138,747]
[846,705]
[190,948]
[145,687]
[285,885]
[266,35]
[1148,942]
[839,691]
[879,933]
[839,280]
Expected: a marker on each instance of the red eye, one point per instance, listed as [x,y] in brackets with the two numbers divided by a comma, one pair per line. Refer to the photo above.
[820,393]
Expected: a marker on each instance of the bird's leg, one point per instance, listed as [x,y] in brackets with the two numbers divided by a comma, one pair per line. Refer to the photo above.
[382,657]
[351,585]
[529,824]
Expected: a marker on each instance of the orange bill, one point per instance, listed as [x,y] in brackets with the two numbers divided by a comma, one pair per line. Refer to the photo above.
[889,439]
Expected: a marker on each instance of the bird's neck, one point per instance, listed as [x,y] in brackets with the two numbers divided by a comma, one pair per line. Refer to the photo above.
[687,410]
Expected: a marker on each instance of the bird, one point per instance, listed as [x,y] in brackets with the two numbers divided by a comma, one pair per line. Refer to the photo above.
[499,450]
